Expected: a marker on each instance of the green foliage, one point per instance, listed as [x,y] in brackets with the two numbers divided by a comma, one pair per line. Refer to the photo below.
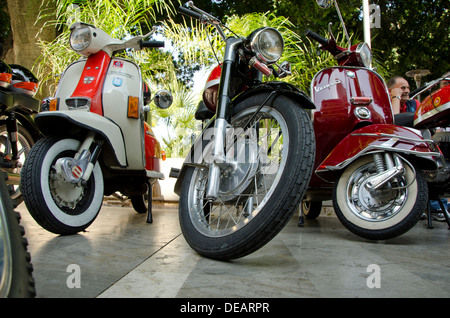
[117,18]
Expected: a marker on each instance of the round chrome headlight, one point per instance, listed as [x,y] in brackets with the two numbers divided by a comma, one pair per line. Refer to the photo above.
[80,38]
[267,44]
[364,54]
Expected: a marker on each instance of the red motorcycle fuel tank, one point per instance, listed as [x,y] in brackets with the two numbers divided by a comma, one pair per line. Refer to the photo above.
[346,99]
[434,110]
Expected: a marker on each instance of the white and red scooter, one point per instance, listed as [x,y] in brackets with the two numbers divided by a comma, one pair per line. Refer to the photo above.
[96,139]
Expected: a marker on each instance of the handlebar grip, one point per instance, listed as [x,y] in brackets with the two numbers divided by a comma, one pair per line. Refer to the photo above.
[189,13]
[314,36]
[152,43]
[414,92]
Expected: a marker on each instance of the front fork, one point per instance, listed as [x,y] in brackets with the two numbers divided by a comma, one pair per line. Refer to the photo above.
[78,169]
[388,166]
[222,117]
[218,159]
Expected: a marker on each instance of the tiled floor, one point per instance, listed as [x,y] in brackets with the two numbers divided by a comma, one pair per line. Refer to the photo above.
[120,255]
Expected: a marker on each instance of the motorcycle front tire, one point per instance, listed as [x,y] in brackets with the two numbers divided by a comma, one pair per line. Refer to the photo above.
[256,228]
[16,270]
[45,201]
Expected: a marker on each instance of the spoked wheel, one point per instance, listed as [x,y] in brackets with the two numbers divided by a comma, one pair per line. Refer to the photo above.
[269,165]
[24,143]
[382,214]
[59,206]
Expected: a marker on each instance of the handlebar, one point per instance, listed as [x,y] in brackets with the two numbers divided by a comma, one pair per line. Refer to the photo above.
[190,13]
[327,44]
[314,36]
[152,44]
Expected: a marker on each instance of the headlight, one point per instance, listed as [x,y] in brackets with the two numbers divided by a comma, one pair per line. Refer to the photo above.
[364,54]
[80,38]
[267,44]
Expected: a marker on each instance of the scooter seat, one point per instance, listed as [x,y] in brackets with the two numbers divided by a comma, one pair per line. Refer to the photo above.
[404,119]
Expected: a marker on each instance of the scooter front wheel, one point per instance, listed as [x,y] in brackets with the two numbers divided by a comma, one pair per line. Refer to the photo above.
[385,213]
[59,206]
[269,163]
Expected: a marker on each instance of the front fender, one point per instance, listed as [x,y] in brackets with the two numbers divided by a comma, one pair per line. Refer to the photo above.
[281,87]
[74,123]
[374,138]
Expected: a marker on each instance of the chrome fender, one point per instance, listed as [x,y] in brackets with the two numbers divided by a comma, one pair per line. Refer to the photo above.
[376,138]
[73,122]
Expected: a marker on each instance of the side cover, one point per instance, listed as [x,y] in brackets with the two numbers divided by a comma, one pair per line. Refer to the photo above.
[379,138]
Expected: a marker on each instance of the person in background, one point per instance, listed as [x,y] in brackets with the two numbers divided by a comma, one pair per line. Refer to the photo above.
[403,109]
[399,91]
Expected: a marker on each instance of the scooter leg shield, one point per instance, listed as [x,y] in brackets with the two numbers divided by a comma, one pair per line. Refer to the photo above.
[52,123]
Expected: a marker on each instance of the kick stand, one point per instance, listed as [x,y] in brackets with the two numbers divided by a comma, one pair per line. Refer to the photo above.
[149,209]
[301,217]
[430,225]
[444,210]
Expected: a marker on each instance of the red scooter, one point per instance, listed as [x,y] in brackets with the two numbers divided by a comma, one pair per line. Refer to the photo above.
[434,113]
[369,167]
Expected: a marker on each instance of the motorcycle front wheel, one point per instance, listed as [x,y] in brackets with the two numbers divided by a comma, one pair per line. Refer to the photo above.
[16,270]
[386,213]
[59,206]
[270,158]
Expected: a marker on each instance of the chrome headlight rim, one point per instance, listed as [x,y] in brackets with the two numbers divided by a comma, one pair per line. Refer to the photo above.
[80,32]
[364,54]
[261,53]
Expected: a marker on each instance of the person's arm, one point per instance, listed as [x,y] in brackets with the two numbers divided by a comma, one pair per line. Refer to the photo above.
[396,94]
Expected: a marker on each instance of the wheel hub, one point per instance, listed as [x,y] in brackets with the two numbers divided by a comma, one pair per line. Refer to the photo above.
[374,205]
[64,193]
[239,174]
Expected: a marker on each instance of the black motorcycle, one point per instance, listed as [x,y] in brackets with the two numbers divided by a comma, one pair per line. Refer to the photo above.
[249,168]
[17,129]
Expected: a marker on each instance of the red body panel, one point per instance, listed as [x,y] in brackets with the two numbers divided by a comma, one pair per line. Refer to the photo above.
[337,92]
[152,150]
[91,80]
[434,111]
[373,138]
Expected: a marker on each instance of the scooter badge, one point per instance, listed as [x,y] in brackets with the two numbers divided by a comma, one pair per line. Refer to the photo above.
[88,79]
[118,64]
[77,171]
[117,81]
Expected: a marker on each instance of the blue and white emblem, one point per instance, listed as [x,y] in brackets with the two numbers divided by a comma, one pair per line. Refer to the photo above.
[117,81]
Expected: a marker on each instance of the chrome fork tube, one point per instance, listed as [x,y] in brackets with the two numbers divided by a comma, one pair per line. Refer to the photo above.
[218,158]
[223,115]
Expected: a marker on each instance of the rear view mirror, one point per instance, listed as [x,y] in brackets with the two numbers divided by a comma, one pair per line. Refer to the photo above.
[163,99]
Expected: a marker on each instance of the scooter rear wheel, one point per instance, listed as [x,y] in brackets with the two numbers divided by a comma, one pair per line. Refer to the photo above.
[391,212]
[57,205]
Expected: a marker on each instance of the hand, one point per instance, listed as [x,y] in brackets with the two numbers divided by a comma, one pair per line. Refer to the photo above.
[396,92]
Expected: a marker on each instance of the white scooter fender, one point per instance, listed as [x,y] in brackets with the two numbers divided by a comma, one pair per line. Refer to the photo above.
[73,122]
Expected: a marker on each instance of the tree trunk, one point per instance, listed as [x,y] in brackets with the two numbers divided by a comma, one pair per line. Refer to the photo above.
[26,31]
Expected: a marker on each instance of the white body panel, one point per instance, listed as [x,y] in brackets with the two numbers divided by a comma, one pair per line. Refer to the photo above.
[123,79]
[121,82]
